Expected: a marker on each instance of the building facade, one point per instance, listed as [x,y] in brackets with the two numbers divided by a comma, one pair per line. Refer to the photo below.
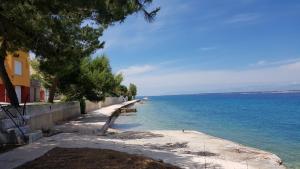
[17,67]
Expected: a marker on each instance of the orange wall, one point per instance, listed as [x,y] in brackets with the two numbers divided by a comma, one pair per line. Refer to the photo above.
[18,80]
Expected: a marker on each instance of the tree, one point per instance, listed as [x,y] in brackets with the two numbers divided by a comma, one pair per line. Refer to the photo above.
[32,25]
[132,91]
[118,78]
[93,80]
[68,58]
[123,91]
[37,74]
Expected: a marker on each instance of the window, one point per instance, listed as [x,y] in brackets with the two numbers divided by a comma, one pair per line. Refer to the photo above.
[18,68]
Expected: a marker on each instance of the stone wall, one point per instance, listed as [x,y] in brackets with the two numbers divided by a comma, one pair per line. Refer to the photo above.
[111,100]
[91,106]
[44,116]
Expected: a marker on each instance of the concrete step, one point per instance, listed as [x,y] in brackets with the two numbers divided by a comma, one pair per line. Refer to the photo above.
[8,123]
[14,136]
[33,136]
[26,129]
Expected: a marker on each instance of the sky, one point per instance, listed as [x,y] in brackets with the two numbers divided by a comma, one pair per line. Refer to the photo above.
[197,46]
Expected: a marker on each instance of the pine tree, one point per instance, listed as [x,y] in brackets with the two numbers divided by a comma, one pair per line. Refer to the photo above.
[39,26]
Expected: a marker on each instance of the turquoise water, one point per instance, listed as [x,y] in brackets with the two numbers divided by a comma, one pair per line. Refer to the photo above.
[266,121]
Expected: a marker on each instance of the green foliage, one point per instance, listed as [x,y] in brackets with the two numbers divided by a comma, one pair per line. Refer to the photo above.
[80,41]
[35,66]
[34,24]
[82,106]
[132,91]
[129,97]
[122,90]
[93,80]
[117,85]
[54,31]
[37,74]
[118,79]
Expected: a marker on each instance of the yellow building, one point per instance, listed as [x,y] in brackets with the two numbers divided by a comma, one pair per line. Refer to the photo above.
[17,67]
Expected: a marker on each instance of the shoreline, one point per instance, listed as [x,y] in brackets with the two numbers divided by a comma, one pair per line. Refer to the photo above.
[172,147]
[188,149]
[251,156]
[199,148]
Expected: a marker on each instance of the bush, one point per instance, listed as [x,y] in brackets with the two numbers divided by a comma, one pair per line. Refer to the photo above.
[82,106]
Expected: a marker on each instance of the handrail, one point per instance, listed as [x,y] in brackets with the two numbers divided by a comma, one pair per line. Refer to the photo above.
[18,115]
[10,115]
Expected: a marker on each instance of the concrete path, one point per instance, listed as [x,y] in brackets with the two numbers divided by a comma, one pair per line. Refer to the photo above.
[92,122]
[109,110]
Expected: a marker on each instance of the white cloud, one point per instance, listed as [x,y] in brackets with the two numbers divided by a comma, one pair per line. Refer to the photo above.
[207,48]
[261,62]
[264,63]
[215,80]
[243,18]
[137,70]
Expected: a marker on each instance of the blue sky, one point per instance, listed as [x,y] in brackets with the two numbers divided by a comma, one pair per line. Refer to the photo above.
[209,46]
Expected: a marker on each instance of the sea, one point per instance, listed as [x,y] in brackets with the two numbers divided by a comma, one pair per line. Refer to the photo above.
[267,121]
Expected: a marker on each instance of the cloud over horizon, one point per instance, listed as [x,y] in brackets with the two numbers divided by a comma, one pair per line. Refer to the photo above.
[193,81]
[248,17]
[135,70]
[203,46]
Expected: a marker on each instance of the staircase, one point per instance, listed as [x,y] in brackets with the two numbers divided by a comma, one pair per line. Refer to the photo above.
[14,126]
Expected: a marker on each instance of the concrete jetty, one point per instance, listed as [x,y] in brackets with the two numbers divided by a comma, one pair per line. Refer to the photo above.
[109,110]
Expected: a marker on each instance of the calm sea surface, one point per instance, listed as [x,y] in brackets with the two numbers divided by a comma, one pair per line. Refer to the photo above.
[266,121]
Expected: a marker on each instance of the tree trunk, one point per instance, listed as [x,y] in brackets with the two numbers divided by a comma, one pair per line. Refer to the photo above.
[10,90]
[52,91]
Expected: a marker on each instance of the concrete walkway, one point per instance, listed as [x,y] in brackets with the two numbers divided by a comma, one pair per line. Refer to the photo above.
[92,122]
[109,110]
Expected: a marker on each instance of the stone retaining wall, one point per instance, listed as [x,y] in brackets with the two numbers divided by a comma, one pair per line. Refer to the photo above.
[112,100]
[91,106]
[44,116]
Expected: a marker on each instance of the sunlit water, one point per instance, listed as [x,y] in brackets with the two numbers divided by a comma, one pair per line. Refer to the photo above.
[266,121]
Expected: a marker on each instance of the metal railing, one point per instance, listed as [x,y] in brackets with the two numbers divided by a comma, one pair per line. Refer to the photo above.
[15,114]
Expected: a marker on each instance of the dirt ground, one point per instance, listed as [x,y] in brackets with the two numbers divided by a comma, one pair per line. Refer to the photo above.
[86,158]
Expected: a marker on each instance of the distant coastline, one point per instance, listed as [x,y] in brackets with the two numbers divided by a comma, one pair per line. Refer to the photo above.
[234,92]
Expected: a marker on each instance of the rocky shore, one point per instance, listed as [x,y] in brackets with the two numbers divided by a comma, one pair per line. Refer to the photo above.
[192,149]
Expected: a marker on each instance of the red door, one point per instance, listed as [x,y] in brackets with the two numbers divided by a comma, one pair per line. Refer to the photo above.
[42,95]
